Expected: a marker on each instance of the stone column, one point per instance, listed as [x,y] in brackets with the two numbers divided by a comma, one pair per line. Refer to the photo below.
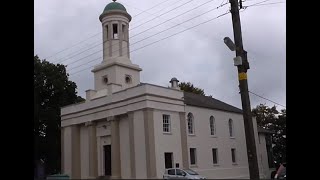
[75,152]
[120,37]
[131,143]
[150,144]
[93,158]
[184,145]
[115,149]
[110,38]
[62,150]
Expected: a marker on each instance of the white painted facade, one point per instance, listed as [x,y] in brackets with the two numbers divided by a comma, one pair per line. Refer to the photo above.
[128,115]
[203,141]
[167,142]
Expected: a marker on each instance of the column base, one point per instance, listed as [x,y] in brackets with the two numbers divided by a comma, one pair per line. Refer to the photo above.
[115,177]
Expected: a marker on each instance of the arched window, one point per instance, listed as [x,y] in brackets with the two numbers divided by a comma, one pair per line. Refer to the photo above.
[190,124]
[212,126]
[231,128]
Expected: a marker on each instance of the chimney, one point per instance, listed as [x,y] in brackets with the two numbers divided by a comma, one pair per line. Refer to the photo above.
[174,83]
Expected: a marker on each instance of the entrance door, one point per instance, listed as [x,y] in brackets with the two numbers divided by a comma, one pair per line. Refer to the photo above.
[168,160]
[107,160]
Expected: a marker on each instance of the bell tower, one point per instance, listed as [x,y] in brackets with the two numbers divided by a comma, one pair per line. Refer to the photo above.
[116,71]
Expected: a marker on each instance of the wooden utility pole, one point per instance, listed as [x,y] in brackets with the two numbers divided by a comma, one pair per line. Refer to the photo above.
[243,85]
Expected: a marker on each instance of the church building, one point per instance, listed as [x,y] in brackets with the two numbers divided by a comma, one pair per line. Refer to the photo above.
[127,129]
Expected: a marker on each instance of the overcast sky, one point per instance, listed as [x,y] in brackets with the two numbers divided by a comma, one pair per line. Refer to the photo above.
[197,55]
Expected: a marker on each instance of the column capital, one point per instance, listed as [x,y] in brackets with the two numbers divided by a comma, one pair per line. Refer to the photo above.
[89,123]
[112,118]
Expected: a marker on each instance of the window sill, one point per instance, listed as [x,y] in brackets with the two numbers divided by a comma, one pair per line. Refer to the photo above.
[213,136]
[232,137]
[193,165]
[167,133]
[216,165]
[191,134]
[235,164]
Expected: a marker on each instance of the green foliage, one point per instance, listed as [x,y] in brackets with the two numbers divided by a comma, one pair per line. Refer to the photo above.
[272,119]
[52,90]
[188,87]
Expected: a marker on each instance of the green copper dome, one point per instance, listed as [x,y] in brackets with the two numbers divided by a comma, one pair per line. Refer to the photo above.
[114,6]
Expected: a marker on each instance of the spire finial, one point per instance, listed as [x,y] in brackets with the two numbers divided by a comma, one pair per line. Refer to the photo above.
[114,0]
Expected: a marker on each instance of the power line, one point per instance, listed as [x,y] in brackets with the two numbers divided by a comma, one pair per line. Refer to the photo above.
[94,35]
[162,14]
[143,11]
[73,45]
[266,99]
[177,25]
[163,38]
[144,30]
[268,4]
[178,16]
[222,2]
[142,39]
[174,17]
[133,28]
[259,2]
[78,52]
[166,7]
[149,36]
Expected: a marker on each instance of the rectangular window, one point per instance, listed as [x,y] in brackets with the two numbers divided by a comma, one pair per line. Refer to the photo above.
[215,156]
[115,31]
[233,155]
[166,123]
[193,158]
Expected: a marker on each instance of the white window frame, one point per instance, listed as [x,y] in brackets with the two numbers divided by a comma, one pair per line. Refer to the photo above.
[190,120]
[212,123]
[231,128]
[166,122]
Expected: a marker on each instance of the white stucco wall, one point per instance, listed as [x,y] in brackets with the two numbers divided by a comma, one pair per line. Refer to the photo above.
[84,152]
[98,77]
[124,148]
[165,142]
[264,169]
[139,148]
[67,151]
[120,76]
[263,157]
[204,142]
[163,101]
[125,48]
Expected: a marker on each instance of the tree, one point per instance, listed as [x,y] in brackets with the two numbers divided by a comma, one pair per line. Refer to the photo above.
[272,119]
[52,90]
[188,87]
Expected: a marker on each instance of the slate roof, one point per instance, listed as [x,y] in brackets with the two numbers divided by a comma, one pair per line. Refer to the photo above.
[208,102]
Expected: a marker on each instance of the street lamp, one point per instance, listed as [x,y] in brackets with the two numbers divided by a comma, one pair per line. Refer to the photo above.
[237,61]
[229,43]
